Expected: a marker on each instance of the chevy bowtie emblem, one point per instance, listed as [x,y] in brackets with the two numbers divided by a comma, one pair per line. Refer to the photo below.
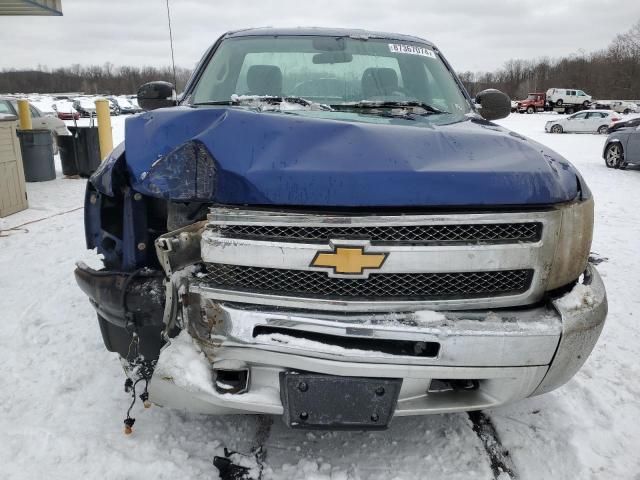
[348,260]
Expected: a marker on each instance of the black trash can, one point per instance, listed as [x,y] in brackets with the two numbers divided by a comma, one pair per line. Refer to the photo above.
[87,149]
[37,155]
[68,154]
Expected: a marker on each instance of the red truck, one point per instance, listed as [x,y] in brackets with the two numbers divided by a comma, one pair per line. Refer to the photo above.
[537,102]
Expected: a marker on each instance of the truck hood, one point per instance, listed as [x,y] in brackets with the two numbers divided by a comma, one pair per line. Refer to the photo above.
[332,159]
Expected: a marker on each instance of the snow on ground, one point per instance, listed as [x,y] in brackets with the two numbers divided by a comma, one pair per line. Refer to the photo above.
[62,400]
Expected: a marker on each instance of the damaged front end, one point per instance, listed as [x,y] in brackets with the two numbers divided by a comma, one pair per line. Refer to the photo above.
[134,294]
[331,317]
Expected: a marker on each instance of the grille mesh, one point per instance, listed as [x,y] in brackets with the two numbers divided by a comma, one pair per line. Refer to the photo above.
[399,286]
[472,233]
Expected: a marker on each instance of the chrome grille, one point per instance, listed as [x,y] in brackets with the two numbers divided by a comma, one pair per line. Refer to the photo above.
[380,286]
[409,234]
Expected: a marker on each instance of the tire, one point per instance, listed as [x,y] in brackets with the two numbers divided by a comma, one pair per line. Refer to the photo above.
[558,102]
[586,104]
[556,128]
[614,155]
[626,111]
[531,110]
[570,111]
[603,129]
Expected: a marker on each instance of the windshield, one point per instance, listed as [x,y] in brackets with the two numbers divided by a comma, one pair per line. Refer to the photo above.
[532,96]
[329,70]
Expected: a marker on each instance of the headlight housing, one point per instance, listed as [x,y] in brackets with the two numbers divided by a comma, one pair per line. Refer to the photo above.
[573,245]
[186,174]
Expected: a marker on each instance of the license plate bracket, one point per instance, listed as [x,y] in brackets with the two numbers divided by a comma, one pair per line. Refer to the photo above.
[318,401]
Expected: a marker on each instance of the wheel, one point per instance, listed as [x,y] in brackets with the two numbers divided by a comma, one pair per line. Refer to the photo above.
[556,129]
[626,111]
[585,104]
[569,111]
[531,110]
[602,129]
[613,156]
[559,102]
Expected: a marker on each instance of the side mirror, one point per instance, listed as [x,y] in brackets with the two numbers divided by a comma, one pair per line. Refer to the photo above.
[154,95]
[494,103]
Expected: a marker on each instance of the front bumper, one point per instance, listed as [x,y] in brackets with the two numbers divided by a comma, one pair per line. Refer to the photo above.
[509,353]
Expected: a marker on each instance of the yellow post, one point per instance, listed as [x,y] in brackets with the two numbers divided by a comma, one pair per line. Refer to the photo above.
[24,114]
[104,127]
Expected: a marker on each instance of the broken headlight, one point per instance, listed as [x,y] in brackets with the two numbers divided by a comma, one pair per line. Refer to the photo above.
[185,174]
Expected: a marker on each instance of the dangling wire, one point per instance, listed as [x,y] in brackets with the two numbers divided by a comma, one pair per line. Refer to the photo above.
[140,368]
[131,386]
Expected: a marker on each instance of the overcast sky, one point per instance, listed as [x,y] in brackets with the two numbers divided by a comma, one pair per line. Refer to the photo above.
[474,35]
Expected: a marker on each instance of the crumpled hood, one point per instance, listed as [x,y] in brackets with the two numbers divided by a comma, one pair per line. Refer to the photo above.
[274,158]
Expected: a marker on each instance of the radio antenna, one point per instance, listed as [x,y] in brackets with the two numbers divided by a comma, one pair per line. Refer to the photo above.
[173,62]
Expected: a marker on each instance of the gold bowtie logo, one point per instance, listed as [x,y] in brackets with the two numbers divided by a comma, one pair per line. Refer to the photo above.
[348,260]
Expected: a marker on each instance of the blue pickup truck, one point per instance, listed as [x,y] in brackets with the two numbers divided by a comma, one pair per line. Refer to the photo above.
[326,228]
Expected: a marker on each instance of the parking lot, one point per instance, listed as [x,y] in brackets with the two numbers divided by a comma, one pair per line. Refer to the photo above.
[60,420]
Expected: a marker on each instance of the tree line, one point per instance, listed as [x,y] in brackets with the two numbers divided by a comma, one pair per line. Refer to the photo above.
[611,73]
[93,79]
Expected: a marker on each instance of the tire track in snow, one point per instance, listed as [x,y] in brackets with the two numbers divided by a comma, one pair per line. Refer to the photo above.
[501,463]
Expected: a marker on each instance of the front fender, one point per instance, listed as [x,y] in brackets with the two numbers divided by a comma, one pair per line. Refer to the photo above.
[110,175]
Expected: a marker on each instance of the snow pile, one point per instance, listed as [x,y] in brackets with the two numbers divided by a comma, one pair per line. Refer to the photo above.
[581,296]
[428,317]
[184,364]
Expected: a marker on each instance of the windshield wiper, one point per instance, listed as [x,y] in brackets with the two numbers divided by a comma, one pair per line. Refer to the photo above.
[373,104]
[268,100]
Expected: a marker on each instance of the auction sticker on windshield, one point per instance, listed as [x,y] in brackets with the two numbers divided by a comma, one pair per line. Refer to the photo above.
[411,50]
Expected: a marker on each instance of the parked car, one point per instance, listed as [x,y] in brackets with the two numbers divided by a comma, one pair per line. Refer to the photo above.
[124,105]
[85,106]
[114,108]
[624,107]
[9,106]
[634,122]
[562,96]
[65,110]
[622,148]
[45,107]
[315,257]
[587,121]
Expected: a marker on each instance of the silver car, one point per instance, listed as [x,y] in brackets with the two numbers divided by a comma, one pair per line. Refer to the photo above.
[622,148]
[39,120]
[587,121]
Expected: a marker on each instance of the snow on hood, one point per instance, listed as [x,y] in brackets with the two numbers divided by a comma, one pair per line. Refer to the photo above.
[345,160]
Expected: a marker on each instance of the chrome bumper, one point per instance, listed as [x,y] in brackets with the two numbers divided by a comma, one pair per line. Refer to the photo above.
[512,354]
